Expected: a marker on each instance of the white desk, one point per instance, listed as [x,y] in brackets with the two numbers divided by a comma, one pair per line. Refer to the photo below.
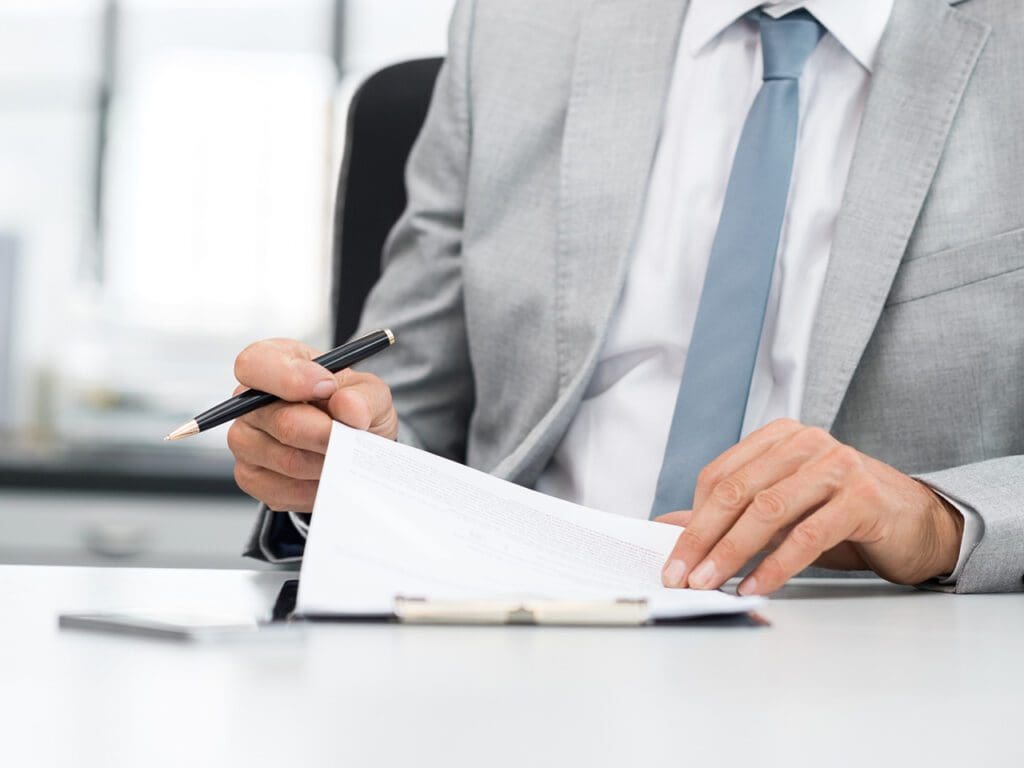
[851,673]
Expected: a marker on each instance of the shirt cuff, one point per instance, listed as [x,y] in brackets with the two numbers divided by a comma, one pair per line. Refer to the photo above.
[973,529]
[301,523]
[276,540]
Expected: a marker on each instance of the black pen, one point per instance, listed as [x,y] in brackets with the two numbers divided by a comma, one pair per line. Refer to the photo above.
[337,359]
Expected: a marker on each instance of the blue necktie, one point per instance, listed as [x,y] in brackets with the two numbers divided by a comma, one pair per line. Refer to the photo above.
[713,392]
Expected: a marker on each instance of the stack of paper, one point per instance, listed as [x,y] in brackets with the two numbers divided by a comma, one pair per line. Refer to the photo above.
[392,521]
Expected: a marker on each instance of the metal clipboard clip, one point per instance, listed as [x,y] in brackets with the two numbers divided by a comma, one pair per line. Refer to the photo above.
[617,613]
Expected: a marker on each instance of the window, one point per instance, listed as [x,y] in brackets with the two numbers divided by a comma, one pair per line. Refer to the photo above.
[167,171]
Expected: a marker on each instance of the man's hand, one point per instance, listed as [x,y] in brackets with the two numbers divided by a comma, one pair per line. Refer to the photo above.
[809,500]
[279,449]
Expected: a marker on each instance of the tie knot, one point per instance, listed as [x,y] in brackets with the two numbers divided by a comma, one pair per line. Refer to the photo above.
[786,43]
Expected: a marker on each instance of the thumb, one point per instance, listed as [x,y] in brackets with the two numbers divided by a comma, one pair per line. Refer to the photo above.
[284,368]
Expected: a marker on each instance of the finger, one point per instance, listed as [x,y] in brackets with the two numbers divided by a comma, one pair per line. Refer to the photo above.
[284,368]
[771,510]
[298,425]
[754,444]
[681,518]
[278,492]
[794,477]
[256,447]
[363,401]
[819,533]
[729,500]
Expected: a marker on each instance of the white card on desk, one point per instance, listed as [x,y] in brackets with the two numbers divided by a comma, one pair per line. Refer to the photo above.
[393,522]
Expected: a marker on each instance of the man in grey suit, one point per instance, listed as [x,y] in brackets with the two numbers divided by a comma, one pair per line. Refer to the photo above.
[753,269]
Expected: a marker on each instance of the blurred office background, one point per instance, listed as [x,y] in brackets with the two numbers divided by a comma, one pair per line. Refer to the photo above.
[167,172]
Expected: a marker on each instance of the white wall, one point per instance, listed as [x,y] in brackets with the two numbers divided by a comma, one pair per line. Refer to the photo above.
[223,146]
[380,32]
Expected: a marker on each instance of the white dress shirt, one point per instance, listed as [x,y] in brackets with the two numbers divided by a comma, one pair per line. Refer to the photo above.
[612,452]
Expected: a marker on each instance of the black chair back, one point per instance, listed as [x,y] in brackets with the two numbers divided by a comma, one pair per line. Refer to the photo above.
[384,119]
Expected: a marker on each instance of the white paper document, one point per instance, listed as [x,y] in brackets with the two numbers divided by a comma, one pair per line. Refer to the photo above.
[392,521]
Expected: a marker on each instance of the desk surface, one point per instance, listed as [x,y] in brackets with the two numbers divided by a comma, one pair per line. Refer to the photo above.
[856,673]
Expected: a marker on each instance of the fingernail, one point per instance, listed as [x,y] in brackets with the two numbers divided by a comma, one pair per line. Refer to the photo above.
[748,586]
[673,573]
[324,389]
[703,575]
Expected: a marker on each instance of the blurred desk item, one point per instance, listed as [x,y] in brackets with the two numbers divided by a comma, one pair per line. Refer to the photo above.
[124,529]
[8,272]
[851,673]
[82,504]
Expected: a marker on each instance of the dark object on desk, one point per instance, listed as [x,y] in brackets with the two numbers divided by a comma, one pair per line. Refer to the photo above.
[336,360]
[186,629]
[284,605]
[46,466]
[384,119]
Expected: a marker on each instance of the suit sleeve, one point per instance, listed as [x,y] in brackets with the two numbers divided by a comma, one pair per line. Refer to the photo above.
[994,490]
[419,294]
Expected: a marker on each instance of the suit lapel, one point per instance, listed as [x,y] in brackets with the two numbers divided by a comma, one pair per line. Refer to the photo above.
[623,66]
[925,60]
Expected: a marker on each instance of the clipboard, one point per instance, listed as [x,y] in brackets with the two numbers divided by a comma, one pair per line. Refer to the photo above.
[625,612]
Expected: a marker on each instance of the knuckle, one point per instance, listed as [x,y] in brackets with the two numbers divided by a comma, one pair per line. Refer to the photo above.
[866,492]
[707,477]
[821,433]
[293,463]
[768,507]
[772,569]
[804,439]
[286,427]
[730,492]
[386,399]
[243,477]
[816,436]
[276,497]
[809,536]
[274,500]
[692,540]
[363,409]
[843,461]
[727,550]
[236,438]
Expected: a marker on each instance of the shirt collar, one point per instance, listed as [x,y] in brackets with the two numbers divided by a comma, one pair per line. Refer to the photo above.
[858,26]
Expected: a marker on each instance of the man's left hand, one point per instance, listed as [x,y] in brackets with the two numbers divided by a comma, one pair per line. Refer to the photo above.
[807,499]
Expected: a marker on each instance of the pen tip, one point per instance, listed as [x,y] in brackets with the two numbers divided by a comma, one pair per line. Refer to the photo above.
[185,430]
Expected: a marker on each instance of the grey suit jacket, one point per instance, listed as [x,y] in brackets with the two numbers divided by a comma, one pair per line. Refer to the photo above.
[525,189]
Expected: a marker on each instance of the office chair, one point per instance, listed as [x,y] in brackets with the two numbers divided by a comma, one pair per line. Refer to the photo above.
[384,119]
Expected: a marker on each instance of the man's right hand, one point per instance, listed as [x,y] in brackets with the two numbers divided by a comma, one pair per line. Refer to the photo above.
[279,449]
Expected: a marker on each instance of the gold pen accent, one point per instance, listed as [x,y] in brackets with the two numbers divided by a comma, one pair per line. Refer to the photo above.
[185,430]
